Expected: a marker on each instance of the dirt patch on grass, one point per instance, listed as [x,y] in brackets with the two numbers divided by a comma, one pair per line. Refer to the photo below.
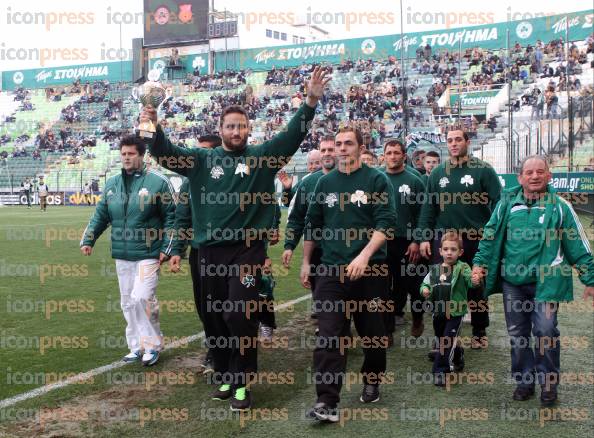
[132,388]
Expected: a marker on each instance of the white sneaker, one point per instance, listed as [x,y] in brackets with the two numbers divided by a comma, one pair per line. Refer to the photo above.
[133,356]
[150,358]
[467,318]
[266,333]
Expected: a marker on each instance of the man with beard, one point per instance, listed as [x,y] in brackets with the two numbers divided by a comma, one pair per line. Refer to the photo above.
[403,252]
[301,200]
[461,193]
[233,207]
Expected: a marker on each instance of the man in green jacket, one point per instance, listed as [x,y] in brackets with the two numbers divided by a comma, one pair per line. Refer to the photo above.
[528,249]
[139,206]
[461,194]
[233,208]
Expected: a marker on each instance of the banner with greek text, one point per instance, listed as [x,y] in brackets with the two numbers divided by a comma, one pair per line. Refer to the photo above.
[54,76]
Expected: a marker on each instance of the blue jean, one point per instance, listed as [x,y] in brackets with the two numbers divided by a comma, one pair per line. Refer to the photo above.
[525,316]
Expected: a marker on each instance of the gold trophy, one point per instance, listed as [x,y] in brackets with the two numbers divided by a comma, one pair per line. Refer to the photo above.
[151,93]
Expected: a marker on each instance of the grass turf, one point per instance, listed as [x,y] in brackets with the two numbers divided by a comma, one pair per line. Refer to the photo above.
[49,292]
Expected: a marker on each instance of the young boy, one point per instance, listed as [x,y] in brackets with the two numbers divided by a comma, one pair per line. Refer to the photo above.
[447,286]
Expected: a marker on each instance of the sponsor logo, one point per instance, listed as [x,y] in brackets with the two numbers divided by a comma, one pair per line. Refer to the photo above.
[524,29]
[368,46]
[18,78]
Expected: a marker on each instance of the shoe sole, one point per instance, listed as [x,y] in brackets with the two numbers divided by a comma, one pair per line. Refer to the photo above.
[548,404]
[370,401]
[220,398]
[326,418]
[239,409]
[150,363]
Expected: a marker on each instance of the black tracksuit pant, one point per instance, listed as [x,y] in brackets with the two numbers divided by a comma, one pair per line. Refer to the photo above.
[449,351]
[229,285]
[405,279]
[332,297]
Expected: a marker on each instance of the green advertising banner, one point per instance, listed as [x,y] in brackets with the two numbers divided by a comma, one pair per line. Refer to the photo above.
[48,77]
[490,36]
[189,62]
[473,102]
[566,182]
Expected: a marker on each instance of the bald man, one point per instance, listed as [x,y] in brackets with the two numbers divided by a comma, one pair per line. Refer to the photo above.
[314,161]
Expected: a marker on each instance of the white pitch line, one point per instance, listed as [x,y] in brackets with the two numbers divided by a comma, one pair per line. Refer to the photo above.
[112,366]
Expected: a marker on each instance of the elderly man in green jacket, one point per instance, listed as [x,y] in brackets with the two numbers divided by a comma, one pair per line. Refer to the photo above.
[529,247]
[139,206]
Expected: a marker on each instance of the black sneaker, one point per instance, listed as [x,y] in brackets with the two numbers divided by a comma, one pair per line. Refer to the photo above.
[432,355]
[523,393]
[459,362]
[323,412]
[223,392]
[241,400]
[207,365]
[548,398]
[439,379]
[370,393]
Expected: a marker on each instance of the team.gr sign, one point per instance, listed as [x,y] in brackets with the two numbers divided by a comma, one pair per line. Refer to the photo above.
[567,182]
[47,77]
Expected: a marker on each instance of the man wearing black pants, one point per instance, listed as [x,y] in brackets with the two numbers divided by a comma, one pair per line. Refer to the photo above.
[232,212]
[403,252]
[461,193]
[183,225]
[351,214]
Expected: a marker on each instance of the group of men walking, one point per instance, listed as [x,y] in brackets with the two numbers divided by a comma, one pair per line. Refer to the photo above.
[370,236]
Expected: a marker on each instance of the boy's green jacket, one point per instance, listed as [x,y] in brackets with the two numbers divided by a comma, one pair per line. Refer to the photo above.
[461,282]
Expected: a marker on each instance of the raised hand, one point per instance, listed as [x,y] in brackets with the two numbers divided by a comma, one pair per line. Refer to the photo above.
[315,85]
[148,114]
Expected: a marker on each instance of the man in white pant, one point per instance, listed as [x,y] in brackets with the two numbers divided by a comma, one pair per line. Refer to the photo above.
[139,206]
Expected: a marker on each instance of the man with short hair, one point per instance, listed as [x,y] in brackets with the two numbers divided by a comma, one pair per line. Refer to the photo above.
[431,161]
[26,184]
[313,165]
[351,215]
[529,246]
[461,194]
[417,159]
[313,161]
[403,252]
[139,205]
[233,208]
[369,158]
[42,191]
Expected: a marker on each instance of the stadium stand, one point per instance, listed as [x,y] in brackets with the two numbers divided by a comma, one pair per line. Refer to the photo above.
[70,134]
